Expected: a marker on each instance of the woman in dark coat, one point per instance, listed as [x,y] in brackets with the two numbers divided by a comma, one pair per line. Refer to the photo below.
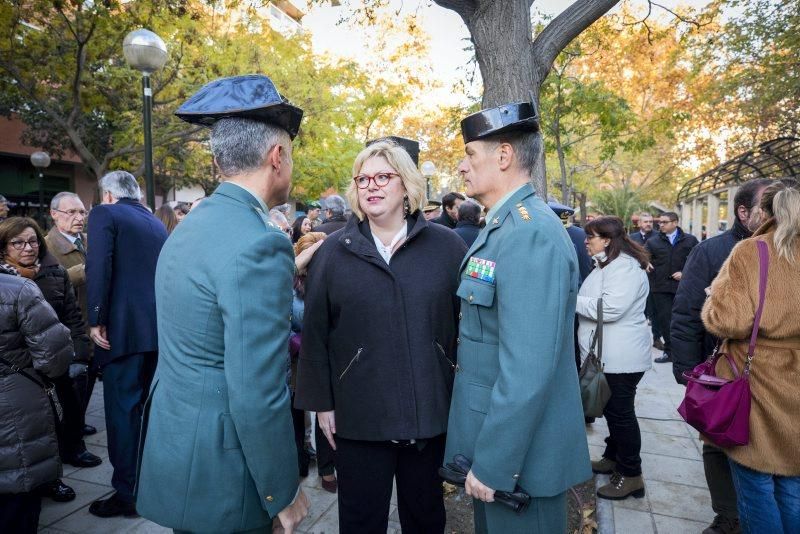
[379,345]
[31,340]
[35,263]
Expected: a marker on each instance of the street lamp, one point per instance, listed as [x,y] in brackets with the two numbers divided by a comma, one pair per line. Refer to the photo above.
[428,169]
[146,52]
[41,160]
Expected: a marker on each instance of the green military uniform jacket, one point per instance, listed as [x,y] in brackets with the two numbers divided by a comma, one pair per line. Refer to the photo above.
[516,409]
[218,447]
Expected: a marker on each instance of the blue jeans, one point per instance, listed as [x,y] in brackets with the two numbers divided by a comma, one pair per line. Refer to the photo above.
[767,503]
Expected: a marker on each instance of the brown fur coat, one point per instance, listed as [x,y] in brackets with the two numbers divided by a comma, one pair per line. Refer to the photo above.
[775,374]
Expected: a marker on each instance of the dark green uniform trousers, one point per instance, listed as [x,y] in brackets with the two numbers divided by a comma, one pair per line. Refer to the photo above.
[545,515]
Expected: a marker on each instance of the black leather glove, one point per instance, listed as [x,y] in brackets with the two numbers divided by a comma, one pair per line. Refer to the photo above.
[456,473]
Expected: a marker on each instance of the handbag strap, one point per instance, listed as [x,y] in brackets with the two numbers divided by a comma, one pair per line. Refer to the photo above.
[763,272]
[597,339]
[17,369]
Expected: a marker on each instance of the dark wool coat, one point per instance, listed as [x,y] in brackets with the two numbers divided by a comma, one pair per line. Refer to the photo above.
[636,237]
[31,338]
[691,344]
[54,283]
[667,259]
[467,231]
[379,341]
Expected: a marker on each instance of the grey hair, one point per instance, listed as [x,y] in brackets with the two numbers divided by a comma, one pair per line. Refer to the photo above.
[121,184]
[241,145]
[3,200]
[527,147]
[64,194]
[278,217]
[336,204]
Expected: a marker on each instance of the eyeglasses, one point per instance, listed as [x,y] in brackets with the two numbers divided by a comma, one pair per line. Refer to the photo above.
[73,213]
[381,179]
[20,245]
[665,221]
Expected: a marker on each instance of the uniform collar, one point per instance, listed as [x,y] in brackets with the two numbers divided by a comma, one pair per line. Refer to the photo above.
[242,194]
[500,203]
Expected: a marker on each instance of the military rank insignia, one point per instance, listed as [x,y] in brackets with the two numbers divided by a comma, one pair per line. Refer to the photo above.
[523,212]
[481,269]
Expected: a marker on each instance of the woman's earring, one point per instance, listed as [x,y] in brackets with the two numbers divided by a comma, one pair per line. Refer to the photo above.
[406,206]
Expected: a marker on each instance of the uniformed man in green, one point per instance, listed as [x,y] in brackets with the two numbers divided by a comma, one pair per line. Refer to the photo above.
[516,409]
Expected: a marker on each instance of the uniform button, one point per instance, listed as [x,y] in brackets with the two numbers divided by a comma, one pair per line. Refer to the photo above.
[460,316]
[268,498]
[516,477]
[471,298]
[347,241]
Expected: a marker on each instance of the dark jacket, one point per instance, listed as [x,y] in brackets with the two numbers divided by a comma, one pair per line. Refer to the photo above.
[124,242]
[691,344]
[32,338]
[467,231]
[668,259]
[445,220]
[578,237]
[336,222]
[379,341]
[636,237]
[53,281]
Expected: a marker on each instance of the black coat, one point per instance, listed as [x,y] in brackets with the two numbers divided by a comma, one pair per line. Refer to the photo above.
[668,259]
[636,237]
[336,222]
[379,341]
[578,237]
[53,281]
[445,220]
[467,231]
[691,344]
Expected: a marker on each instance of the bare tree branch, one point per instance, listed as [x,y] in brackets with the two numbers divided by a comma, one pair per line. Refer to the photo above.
[563,29]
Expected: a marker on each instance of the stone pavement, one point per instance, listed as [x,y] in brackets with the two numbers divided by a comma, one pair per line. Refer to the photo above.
[95,483]
[676,495]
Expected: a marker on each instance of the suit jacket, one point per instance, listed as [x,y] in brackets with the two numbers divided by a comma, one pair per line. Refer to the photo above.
[637,237]
[73,260]
[219,452]
[120,277]
[516,408]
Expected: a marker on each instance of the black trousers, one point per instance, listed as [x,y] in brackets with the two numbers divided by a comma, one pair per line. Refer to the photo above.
[720,482]
[70,431]
[326,456]
[365,471]
[624,442]
[126,384]
[299,426]
[662,307]
[649,312]
[19,512]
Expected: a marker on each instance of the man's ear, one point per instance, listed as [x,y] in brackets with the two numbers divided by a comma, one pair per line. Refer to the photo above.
[742,213]
[505,155]
[275,156]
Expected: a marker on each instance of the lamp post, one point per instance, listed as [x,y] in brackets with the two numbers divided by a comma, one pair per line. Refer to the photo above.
[428,170]
[146,52]
[41,160]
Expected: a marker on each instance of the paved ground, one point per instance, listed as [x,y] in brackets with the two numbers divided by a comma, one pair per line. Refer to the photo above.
[676,495]
[676,499]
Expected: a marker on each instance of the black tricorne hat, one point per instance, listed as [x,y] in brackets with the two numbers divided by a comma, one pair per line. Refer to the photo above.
[563,212]
[251,96]
[506,118]
[410,146]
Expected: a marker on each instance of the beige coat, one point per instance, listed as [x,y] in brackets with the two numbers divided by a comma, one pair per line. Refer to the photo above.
[73,260]
[775,374]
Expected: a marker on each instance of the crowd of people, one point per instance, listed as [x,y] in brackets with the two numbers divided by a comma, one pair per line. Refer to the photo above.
[417,335]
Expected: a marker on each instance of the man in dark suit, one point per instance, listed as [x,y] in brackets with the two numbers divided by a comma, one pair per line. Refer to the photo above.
[120,274]
[469,221]
[641,236]
[450,203]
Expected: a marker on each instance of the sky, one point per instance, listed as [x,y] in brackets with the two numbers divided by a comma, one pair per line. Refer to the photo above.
[446,60]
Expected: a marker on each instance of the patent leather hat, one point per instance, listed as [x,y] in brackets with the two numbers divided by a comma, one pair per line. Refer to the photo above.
[502,119]
[410,146]
[252,96]
[563,212]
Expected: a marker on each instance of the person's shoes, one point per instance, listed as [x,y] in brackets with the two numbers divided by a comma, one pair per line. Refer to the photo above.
[113,507]
[303,471]
[588,420]
[621,487]
[56,490]
[89,430]
[330,486]
[312,454]
[723,525]
[658,344]
[83,459]
[665,358]
[604,466]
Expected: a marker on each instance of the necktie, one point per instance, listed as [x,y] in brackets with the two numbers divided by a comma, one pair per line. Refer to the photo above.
[79,245]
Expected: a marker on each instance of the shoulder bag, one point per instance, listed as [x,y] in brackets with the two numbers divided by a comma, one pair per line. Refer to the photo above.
[718,407]
[595,390]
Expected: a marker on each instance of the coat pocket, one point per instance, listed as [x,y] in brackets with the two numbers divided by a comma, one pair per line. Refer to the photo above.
[352,363]
[475,292]
[453,366]
[479,397]
[230,440]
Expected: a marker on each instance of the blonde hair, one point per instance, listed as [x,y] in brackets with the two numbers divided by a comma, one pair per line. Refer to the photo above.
[781,201]
[400,161]
[307,240]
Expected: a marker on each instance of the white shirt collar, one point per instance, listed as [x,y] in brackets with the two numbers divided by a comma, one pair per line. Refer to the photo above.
[386,250]
[672,235]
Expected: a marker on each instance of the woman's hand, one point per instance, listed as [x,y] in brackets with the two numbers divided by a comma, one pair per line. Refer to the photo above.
[327,422]
[302,260]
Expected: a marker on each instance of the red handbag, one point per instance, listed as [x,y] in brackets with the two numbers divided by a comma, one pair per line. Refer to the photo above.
[719,407]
